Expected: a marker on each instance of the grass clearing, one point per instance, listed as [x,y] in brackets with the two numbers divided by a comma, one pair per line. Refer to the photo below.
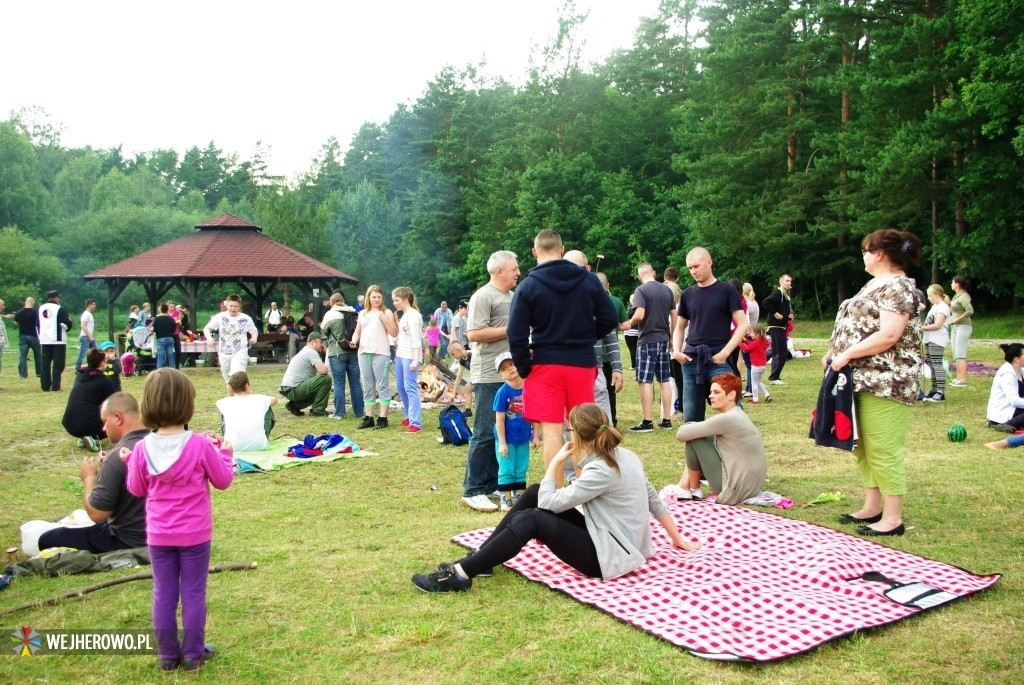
[337,543]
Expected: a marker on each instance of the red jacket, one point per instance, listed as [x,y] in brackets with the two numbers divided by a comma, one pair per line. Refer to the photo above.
[756,349]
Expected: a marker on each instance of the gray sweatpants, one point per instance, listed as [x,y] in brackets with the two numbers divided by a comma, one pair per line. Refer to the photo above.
[373,373]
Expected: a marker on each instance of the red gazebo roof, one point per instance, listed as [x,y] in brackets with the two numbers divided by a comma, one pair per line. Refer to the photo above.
[227,247]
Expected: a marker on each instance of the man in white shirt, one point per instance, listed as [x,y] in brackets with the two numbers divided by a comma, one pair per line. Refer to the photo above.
[246,418]
[52,326]
[272,318]
[87,334]
[236,332]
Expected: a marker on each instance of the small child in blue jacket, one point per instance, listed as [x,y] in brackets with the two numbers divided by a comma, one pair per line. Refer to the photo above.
[512,433]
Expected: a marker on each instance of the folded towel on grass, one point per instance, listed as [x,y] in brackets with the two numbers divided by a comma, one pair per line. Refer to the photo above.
[276,457]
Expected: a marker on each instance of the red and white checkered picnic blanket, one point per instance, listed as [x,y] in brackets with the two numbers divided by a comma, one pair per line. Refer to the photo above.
[764,587]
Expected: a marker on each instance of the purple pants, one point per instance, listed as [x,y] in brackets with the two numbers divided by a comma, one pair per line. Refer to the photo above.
[180,572]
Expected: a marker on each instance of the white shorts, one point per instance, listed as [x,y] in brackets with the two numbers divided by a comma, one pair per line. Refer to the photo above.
[233,363]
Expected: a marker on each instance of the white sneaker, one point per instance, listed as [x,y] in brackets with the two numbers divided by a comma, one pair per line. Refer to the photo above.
[778,381]
[674,492]
[696,494]
[480,503]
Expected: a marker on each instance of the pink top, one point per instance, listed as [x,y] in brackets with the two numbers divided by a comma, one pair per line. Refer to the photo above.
[173,472]
[433,336]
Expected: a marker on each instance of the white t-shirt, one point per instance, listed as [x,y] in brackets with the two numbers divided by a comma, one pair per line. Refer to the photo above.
[410,336]
[88,323]
[233,331]
[940,336]
[373,338]
[243,421]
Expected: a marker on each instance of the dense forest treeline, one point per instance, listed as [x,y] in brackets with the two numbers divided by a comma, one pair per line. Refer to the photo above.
[777,134]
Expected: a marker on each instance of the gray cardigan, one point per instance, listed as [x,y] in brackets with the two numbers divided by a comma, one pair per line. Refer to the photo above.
[617,507]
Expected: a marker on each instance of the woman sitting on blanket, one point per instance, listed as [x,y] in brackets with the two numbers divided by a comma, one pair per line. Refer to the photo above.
[610,538]
[1005,410]
[727,448]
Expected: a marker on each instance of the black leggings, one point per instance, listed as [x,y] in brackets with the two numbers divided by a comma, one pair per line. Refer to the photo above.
[564,534]
[1017,421]
[631,341]
[607,369]
[677,377]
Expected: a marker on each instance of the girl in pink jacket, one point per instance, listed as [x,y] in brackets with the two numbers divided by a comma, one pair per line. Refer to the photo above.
[173,467]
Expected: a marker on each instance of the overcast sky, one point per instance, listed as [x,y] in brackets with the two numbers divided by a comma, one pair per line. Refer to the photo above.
[149,75]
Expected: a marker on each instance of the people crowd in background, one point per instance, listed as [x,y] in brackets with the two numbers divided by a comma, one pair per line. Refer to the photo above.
[705,327]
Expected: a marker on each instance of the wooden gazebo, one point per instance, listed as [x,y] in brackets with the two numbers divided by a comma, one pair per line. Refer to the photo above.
[225,249]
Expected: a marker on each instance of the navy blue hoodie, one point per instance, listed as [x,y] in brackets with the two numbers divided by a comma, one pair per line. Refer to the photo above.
[566,309]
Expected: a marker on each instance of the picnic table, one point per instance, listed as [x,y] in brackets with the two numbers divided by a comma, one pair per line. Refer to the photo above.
[200,349]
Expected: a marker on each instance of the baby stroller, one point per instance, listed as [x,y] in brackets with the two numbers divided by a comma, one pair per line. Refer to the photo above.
[139,357]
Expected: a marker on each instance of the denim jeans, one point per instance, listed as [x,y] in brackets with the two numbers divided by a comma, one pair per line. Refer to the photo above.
[26,343]
[346,366]
[84,345]
[481,465]
[409,392]
[695,396]
[164,352]
[746,363]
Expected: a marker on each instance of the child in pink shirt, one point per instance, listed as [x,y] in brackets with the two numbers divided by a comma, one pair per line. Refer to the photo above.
[433,335]
[173,468]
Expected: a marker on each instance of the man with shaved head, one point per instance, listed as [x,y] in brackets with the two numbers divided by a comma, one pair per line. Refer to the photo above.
[604,348]
[28,337]
[706,313]
[120,517]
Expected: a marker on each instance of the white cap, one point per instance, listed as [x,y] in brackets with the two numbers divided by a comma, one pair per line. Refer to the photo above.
[500,358]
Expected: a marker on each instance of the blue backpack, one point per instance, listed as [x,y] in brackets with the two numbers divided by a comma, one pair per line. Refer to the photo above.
[454,429]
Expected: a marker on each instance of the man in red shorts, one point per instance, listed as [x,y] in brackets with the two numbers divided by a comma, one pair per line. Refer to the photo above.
[558,312]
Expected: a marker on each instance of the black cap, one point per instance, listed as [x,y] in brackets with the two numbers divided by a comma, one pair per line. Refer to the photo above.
[52,294]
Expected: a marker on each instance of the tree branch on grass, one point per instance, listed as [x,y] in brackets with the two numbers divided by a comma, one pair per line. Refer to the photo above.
[116,581]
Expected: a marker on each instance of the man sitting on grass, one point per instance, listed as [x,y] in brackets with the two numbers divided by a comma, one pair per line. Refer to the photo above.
[246,419]
[120,517]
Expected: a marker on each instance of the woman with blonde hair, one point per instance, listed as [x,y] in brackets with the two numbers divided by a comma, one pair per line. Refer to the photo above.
[376,322]
[408,356]
[612,535]
[936,336]
[753,314]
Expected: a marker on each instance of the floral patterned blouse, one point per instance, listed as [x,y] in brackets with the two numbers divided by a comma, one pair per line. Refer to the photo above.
[892,374]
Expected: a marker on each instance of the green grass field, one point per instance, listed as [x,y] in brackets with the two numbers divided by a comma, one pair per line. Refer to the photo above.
[337,543]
